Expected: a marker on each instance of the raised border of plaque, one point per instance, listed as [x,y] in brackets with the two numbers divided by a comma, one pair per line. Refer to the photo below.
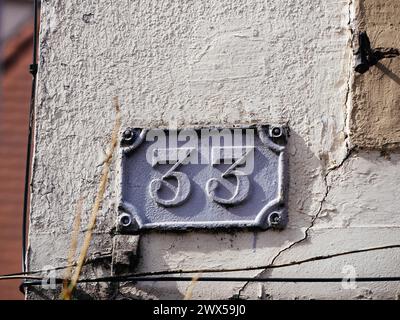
[203,178]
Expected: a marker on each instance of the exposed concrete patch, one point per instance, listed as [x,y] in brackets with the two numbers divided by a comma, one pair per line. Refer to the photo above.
[375,117]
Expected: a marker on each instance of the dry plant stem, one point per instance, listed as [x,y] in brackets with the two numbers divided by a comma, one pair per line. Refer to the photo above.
[189,290]
[66,293]
[98,200]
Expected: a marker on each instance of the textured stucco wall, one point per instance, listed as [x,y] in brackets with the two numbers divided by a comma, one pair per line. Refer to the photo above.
[219,63]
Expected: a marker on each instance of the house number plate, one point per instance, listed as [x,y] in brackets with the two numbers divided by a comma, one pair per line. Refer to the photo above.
[203,178]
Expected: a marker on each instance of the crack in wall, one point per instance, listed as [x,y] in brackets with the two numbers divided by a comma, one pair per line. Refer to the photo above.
[304,238]
[313,220]
[350,78]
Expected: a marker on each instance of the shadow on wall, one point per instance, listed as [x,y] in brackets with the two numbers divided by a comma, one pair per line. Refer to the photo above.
[388,72]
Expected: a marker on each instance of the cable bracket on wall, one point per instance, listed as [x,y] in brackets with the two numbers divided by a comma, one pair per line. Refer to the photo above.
[33,68]
[366,56]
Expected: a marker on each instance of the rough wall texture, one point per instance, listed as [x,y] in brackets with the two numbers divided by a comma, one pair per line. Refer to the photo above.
[375,119]
[203,63]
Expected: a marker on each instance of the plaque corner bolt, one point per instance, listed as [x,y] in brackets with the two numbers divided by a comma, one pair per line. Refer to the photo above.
[275,220]
[126,222]
[278,132]
[129,135]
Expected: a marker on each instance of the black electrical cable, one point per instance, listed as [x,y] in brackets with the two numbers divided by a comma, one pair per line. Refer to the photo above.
[204,271]
[215,279]
[33,70]
[237,279]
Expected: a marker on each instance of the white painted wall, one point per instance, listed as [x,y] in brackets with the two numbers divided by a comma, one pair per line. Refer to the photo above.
[219,63]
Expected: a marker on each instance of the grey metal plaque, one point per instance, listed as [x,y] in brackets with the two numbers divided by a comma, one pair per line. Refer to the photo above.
[203,178]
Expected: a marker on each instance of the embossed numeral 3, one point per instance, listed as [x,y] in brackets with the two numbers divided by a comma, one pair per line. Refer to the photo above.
[183,187]
[242,181]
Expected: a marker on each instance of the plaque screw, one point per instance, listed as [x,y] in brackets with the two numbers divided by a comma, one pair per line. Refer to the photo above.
[276,132]
[128,135]
[125,220]
[274,218]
